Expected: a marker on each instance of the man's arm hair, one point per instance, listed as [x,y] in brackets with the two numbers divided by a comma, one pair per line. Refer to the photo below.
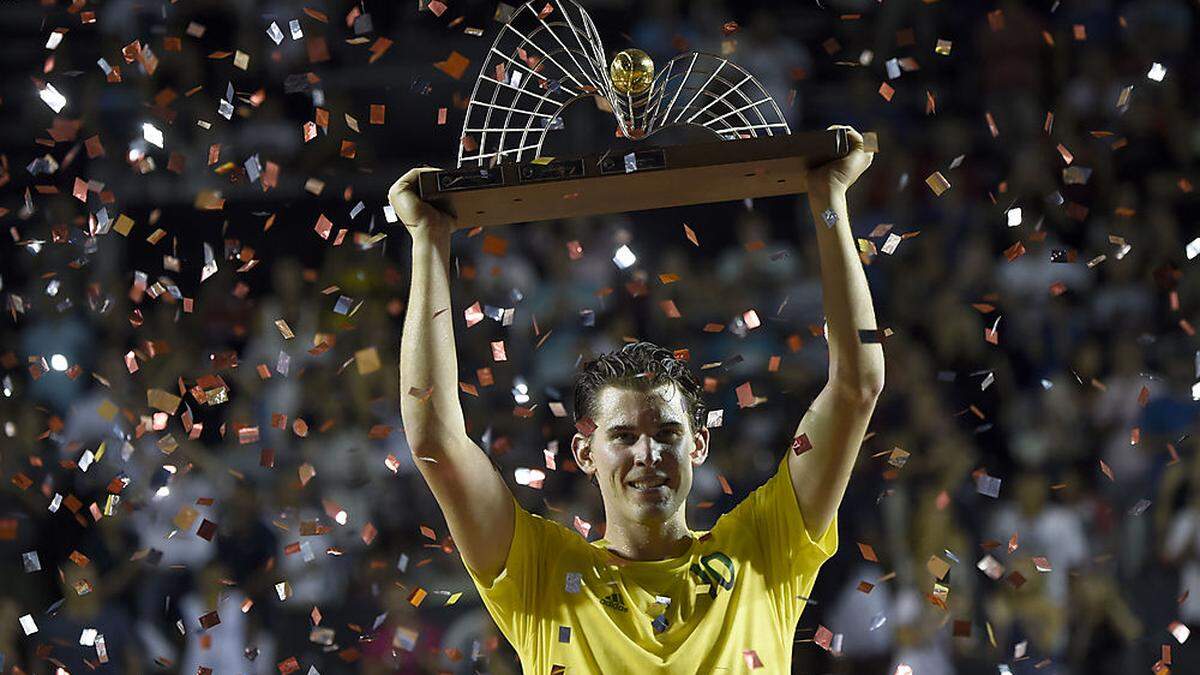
[474,499]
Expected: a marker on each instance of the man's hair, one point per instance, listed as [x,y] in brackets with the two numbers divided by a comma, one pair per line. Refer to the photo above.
[641,365]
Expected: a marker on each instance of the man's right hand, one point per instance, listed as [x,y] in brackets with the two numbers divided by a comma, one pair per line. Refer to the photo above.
[415,213]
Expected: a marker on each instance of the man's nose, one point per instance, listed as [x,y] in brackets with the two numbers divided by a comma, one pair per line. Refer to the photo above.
[646,452]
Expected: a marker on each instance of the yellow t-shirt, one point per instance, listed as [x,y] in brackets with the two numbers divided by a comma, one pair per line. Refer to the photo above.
[728,604]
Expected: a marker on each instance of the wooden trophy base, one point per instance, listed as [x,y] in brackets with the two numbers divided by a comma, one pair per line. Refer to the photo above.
[645,177]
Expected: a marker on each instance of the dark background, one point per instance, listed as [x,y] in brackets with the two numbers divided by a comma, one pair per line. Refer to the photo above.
[1078,384]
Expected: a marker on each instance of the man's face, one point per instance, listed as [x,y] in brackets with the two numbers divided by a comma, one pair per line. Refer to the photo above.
[642,452]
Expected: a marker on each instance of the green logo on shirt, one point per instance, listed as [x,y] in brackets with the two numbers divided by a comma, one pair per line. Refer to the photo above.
[614,602]
[723,574]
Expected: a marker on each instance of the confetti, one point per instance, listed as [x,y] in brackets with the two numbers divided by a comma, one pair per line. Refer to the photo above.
[938,183]
[986,485]
[823,638]
[455,65]
[624,257]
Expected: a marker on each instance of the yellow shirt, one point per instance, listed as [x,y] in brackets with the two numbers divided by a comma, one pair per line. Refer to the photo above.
[728,604]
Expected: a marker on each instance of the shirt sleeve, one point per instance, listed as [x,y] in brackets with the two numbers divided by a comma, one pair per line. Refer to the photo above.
[788,556]
[513,597]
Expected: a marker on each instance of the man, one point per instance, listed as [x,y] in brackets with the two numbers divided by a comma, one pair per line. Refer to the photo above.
[652,596]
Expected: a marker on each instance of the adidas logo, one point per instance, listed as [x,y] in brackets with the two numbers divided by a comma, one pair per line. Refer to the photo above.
[614,602]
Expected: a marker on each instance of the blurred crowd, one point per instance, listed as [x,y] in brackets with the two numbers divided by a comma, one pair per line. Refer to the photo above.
[1027,499]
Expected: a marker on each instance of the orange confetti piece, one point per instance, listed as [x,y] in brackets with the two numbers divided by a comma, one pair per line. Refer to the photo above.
[801,444]
[417,597]
[455,65]
[380,47]
[1015,251]
[724,485]
[496,246]
[498,353]
[868,552]
[745,396]
[690,234]
[1066,154]
[323,226]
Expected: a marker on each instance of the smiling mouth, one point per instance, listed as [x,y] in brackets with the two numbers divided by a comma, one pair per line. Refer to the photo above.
[648,485]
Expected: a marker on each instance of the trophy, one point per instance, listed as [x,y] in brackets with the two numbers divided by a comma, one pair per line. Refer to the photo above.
[700,130]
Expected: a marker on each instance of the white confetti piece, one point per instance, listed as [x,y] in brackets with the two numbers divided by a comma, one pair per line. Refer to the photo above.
[889,246]
[152,135]
[53,98]
[624,257]
[274,33]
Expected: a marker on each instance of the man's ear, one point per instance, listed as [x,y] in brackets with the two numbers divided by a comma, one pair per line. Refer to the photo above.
[581,448]
[699,451]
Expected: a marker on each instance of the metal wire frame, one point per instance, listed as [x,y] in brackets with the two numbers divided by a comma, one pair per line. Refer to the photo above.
[540,64]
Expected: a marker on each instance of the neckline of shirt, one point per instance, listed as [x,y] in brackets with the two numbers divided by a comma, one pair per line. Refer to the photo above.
[601,545]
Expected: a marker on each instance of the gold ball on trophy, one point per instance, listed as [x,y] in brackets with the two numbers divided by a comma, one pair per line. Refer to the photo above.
[632,72]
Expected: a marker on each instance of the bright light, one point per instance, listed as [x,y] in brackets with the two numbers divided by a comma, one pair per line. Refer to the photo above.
[50,95]
[529,477]
[1157,72]
[340,517]
[624,257]
[58,362]
[520,392]
[152,134]
[163,491]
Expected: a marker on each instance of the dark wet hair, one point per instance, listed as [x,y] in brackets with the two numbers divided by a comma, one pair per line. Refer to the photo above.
[640,365]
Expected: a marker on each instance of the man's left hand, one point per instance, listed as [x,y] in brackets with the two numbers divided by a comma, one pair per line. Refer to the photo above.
[840,174]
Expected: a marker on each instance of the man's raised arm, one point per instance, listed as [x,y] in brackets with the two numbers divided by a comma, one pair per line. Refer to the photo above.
[837,421]
[477,504]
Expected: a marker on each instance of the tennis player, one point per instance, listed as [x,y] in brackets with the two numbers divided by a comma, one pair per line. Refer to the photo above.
[652,596]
